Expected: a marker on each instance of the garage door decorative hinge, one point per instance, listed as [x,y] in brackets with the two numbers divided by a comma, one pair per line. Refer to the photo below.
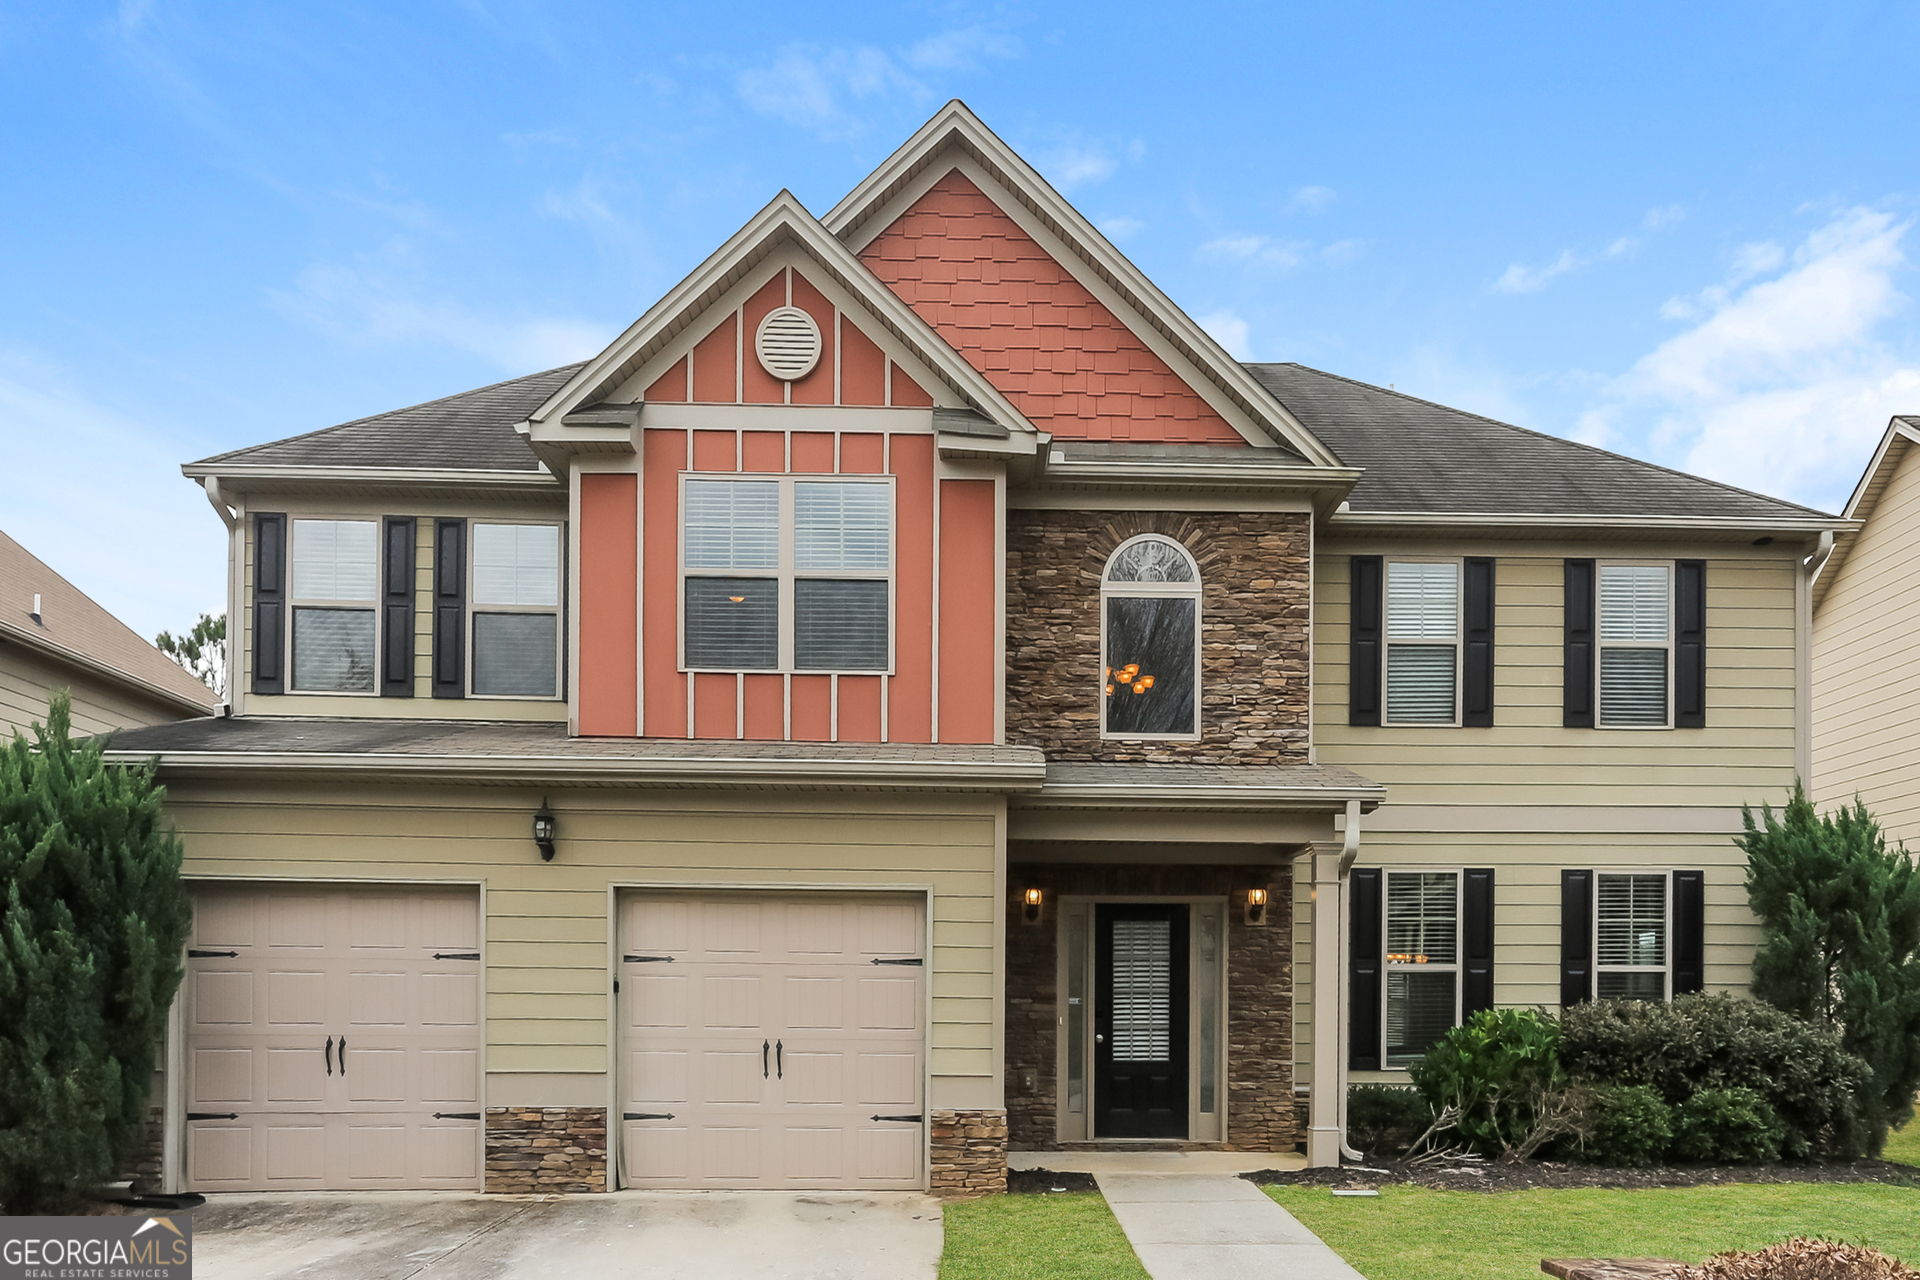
[193,954]
[456,1115]
[909,960]
[647,1115]
[904,1119]
[213,1115]
[648,959]
[456,955]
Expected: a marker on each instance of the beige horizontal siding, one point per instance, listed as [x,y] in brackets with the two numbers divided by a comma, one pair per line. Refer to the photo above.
[27,682]
[1866,666]
[547,925]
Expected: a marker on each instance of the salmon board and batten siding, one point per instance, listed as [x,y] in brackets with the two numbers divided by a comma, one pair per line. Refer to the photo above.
[547,929]
[538,508]
[1866,667]
[1529,797]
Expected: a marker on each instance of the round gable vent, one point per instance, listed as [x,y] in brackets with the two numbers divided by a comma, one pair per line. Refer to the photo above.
[788,343]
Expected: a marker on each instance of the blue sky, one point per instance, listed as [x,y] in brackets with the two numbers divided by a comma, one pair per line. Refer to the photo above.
[1683,232]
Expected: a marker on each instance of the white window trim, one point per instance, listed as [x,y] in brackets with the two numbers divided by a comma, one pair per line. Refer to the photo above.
[1600,645]
[1665,970]
[296,603]
[1387,642]
[785,574]
[475,608]
[1163,590]
[1388,966]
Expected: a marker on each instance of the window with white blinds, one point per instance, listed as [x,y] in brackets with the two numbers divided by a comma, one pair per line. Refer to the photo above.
[335,583]
[515,595]
[1143,991]
[1636,640]
[1423,642]
[787,574]
[1630,935]
[1422,961]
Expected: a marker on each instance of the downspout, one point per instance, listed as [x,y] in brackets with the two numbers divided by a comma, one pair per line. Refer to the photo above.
[1349,851]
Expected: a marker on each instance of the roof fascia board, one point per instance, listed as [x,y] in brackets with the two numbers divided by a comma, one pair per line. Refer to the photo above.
[1895,444]
[416,477]
[93,666]
[783,214]
[852,219]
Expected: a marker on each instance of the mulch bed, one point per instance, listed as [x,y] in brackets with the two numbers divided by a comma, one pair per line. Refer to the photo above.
[1029,1182]
[1498,1176]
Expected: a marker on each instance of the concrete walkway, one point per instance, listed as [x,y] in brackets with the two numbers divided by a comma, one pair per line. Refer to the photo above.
[673,1235]
[1194,1226]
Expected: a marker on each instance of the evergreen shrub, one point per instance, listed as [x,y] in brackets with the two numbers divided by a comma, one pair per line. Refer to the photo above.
[1632,1126]
[1501,1069]
[1727,1126]
[1383,1119]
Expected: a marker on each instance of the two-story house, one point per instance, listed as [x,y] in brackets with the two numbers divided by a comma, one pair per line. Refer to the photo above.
[914,695]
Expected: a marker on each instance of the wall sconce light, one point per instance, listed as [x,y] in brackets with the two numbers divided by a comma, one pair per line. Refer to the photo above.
[1032,898]
[544,830]
[1257,905]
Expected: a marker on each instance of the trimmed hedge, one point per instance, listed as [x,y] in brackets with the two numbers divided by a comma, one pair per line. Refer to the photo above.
[1632,1126]
[1727,1126]
[1384,1119]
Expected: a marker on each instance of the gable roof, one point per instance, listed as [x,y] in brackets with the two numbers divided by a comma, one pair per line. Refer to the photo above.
[1902,434]
[868,208]
[73,629]
[468,431]
[1422,459]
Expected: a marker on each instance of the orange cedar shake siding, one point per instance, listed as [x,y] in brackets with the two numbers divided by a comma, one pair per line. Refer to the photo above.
[966,610]
[609,576]
[910,696]
[1023,321]
[665,457]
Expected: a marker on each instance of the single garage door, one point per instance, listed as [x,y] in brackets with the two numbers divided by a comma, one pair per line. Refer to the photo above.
[772,1041]
[333,1039]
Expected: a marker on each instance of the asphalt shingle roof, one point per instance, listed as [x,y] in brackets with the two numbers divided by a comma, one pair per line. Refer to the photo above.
[1425,458]
[471,431]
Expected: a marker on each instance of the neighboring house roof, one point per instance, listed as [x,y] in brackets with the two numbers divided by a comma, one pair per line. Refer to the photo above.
[469,431]
[1903,432]
[72,629]
[1425,459]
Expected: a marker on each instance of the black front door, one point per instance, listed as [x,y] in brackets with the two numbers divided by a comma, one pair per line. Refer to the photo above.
[1140,1022]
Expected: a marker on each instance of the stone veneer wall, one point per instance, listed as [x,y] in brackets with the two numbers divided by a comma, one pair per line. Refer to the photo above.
[546,1149]
[144,1163]
[1260,1102]
[1255,576]
[968,1155]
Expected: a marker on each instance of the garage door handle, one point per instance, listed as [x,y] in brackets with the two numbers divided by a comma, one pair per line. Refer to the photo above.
[207,955]
[456,955]
[648,959]
[647,1115]
[909,960]
[779,1059]
[213,1115]
[456,1115]
[904,1119]
[329,1055]
[343,1056]
[764,1046]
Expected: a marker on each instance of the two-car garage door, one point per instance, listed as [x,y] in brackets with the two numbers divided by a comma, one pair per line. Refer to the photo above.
[333,1039]
[772,1041]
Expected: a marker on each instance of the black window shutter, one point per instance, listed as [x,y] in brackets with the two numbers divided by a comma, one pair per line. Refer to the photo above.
[449,608]
[1363,642]
[396,607]
[1476,664]
[1689,932]
[1577,709]
[1690,644]
[1476,943]
[1576,937]
[269,602]
[1363,978]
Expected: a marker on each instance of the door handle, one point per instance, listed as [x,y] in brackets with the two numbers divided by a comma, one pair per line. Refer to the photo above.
[764,1045]
[779,1060]
[343,1056]
[1099,1038]
[329,1055]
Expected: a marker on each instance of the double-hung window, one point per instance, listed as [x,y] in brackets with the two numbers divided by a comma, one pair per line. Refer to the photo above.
[1630,935]
[1422,961]
[335,603]
[516,610]
[787,574]
[1423,642]
[1636,641]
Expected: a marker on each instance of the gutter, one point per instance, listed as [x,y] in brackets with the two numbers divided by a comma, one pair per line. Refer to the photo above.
[1538,520]
[1118,795]
[227,473]
[1061,470]
[93,666]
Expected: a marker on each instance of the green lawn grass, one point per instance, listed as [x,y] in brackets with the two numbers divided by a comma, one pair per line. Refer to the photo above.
[1068,1236]
[1410,1233]
[1904,1144]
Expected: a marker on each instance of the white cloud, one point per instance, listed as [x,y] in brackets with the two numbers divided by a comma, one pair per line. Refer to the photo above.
[824,89]
[1520,278]
[1077,166]
[1313,199]
[1121,228]
[1230,331]
[1785,380]
[365,307]
[584,202]
[106,507]
[1341,252]
[1262,250]
[1664,216]
[962,50]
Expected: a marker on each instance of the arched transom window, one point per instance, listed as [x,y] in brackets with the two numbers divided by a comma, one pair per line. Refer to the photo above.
[1150,642]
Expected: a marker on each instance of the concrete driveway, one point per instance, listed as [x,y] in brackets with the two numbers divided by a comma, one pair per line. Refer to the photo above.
[812,1235]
